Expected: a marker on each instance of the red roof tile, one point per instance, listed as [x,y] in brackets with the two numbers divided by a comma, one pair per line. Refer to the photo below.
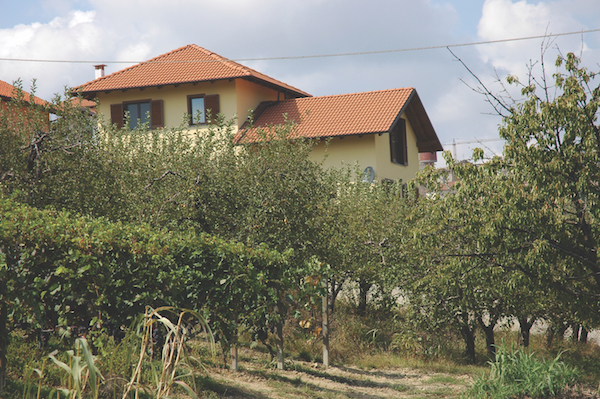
[8,91]
[88,104]
[345,115]
[185,65]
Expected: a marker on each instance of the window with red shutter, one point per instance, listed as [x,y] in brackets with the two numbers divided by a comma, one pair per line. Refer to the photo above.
[139,112]
[203,108]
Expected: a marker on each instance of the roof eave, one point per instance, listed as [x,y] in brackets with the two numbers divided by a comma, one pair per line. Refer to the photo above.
[427,139]
[274,86]
[91,94]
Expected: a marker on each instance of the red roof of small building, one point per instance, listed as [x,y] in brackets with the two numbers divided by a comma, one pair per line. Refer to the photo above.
[8,92]
[187,64]
[345,115]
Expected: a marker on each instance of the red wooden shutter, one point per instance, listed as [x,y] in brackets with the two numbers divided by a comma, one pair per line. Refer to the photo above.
[211,106]
[156,114]
[116,114]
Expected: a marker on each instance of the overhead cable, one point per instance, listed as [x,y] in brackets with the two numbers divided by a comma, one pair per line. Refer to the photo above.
[299,57]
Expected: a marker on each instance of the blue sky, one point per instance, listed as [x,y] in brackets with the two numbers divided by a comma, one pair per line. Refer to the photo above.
[136,30]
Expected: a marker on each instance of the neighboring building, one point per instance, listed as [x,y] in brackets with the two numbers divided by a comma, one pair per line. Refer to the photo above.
[8,92]
[87,105]
[384,130]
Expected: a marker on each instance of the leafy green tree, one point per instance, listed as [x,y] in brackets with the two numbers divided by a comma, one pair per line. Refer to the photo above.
[366,226]
[553,144]
[526,221]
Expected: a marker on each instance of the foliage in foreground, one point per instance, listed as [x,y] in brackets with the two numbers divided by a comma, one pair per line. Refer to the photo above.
[157,364]
[515,373]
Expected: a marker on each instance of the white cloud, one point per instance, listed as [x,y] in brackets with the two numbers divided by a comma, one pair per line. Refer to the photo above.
[73,37]
[502,19]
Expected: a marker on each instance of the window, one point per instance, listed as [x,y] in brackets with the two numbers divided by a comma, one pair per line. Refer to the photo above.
[197,112]
[200,106]
[138,113]
[398,146]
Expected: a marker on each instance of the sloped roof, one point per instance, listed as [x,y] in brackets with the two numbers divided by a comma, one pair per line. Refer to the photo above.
[345,115]
[84,104]
[8,91]
[187,64]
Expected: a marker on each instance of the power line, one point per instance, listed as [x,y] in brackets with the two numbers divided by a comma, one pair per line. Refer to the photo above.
[319,55]
[461,142]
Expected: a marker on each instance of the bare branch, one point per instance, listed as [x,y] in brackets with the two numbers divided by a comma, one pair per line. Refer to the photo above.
[497,104]
[164,175]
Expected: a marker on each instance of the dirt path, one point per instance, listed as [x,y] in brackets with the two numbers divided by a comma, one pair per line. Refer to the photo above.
[305,380]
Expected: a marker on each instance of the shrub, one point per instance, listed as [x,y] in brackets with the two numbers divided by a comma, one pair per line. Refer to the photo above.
[515,373]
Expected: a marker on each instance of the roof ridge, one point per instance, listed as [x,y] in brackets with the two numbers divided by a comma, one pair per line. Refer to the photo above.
[121,71]
[351,94]
[224,60]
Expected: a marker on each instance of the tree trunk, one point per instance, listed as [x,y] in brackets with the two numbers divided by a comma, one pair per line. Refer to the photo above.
[525,324]
[575,327]
[336,288]
[279,339]
[583,335]
[550,333]
[325,332]
[4,336]
[488,330]
[364,287]
[469,336]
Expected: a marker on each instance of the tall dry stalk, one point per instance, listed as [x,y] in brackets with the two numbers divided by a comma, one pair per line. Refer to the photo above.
[174,359]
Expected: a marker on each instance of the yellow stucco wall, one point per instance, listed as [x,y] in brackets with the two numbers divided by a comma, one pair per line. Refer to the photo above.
[236,97]
[174,98]
[249,95]
[370,150]
[344,151]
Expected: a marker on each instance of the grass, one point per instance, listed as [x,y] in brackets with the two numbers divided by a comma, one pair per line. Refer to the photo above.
[374,365]
[516,373]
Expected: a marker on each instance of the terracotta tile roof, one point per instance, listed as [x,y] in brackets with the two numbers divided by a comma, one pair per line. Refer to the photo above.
[184,65]
[345,115]
[83,103]
[7,92]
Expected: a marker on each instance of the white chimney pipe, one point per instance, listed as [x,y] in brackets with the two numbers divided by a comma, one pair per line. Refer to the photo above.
[99,70]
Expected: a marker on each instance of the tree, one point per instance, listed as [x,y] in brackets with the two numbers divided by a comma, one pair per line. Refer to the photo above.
[524,225]
[367,224]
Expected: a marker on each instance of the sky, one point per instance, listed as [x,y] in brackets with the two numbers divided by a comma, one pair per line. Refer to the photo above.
[118,32]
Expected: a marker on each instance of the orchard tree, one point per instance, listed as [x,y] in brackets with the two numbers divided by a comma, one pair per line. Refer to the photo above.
[367,227]
[552,150]
[526,224]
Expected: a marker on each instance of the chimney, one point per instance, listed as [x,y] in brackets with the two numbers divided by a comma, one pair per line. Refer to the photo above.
[427,158]
[99,71]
